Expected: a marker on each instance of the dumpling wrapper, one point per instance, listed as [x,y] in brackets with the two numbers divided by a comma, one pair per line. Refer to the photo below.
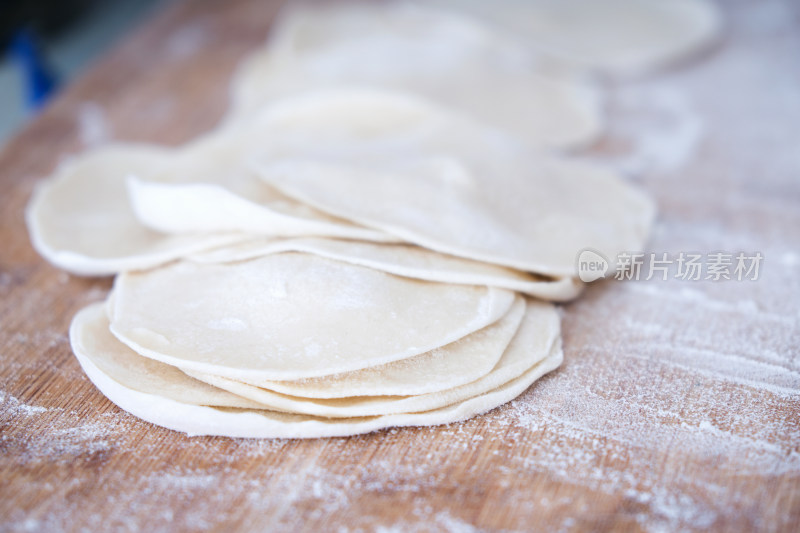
[89,334]
[291,316]
[207,186]
[445,182]
[405,47]
[532,343]
[620,37]
[458,363]
[139,391]
[80,219]
[403,260]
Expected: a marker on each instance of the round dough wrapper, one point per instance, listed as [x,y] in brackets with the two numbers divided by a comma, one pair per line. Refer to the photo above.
[80,219]
[207,187]
[134,392]
[620,37]
[404,260]
[444,182]
[445,58]
[455,364]
[532,343]
[89,334]
[291,316]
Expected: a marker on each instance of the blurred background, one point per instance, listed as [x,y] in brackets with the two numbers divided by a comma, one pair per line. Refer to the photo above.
[45,43]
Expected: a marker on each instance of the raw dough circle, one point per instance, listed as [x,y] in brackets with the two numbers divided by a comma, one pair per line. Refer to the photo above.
[80,219]
[291,316]
[207,186]
[533,342]
[143,398]
[445,182]
[403,260]
[89,334]
[458,363]
[619,37]
[410,48]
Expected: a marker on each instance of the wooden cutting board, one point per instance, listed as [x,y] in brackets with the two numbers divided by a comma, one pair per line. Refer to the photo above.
[677,407]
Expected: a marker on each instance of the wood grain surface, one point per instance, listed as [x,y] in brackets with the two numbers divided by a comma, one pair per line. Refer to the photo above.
[677,407]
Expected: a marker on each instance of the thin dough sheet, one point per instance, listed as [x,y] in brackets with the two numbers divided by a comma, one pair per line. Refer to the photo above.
[291,316]
[144,399]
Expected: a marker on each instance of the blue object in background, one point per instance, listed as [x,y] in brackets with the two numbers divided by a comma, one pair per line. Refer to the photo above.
[40,81]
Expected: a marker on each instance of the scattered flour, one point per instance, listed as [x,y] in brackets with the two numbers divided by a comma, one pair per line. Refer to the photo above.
[658,126]
[11,407]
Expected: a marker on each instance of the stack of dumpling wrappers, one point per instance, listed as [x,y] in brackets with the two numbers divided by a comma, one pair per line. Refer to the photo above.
[375,232]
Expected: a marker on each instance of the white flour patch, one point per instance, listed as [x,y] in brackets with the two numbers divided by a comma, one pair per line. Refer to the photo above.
[11,407]
[62,436]
[658,127]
